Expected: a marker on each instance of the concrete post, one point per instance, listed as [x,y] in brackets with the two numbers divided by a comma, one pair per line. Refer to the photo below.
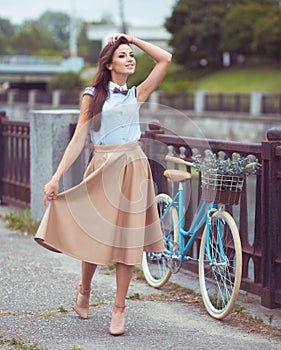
[256,103]
[199,101]
[56,99]
[11,97]
[153,101]
[49,136]
[32,98]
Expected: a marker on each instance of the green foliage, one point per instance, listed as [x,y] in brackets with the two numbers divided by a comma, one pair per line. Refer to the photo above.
[252,29]
[4,45]
[84,43]
[6,27]
[50,31]
[62,309]
[200,34]
[135,296]
[66,81]
[195,29]
[57,24]
[111,266]
[238,308]
[238,29]
[241,80]
[47,53]
[21,221]
[31,38]
[143,67]
[176,79]
[17,344]
[267,38]
[138,274]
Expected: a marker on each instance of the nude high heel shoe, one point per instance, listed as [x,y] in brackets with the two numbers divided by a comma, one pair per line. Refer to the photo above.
[117,325]
[82,311]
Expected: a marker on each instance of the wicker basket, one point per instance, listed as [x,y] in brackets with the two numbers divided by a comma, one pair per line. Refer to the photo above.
[224,189]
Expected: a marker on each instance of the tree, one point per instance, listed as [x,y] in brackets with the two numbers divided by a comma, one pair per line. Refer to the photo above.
[32,37]
[3,45]
[58,25]
[238,28]
[267,36]
[6,27]
[6,32]
[66,81]
[83,42]
[196,28]
[252,30]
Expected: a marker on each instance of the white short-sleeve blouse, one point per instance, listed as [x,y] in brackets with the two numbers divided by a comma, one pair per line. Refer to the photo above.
[119,117]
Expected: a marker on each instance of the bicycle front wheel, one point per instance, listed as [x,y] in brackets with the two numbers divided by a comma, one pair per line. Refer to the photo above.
[220,264]
[154,264]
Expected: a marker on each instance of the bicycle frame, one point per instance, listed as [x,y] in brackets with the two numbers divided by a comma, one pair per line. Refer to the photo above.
[219,257]
[198,221]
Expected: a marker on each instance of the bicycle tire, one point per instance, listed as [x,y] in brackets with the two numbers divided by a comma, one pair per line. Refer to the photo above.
[220,280]
[155,269]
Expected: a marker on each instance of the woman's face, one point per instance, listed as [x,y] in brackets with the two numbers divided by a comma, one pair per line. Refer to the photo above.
[123,61]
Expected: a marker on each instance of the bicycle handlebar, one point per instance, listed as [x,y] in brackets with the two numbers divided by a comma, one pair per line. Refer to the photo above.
[179,161]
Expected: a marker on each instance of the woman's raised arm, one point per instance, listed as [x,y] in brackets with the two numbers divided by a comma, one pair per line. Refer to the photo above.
[162,58]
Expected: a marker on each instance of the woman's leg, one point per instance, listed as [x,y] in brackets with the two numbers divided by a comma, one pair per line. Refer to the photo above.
[88,271]
[123,278]
[84,289]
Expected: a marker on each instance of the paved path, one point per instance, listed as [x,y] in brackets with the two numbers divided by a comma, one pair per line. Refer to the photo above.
[34,283]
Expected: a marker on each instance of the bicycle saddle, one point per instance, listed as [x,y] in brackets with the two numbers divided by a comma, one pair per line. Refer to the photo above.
[177,175]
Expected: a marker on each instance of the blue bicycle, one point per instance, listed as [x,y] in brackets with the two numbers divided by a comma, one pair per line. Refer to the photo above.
[220,256]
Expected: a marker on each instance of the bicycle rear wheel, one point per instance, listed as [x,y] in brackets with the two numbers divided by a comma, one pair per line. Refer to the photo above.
[220,264]
[154,264]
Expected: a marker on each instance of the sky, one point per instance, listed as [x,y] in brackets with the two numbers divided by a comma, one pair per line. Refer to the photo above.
[135,11]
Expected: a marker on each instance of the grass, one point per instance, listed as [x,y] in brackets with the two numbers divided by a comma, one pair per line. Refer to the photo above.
[138,274]
[17,344]
[49,314]
[235,79]
[21,221]
[98,303]
[241,80]
[135,296]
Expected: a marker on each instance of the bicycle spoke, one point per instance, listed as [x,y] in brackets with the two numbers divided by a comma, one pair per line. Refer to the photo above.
[157,266]
[220,265]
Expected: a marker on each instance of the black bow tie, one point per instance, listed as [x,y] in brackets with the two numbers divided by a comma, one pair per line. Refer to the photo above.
[117,91]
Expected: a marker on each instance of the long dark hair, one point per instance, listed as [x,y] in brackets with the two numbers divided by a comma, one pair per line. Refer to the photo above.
[102,79]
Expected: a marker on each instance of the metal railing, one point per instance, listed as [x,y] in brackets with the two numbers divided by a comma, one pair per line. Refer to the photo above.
[258,215]
[234,103]
[228,102]
[15,162]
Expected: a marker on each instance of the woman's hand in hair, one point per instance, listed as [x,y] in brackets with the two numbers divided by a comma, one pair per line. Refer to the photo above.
[113,38]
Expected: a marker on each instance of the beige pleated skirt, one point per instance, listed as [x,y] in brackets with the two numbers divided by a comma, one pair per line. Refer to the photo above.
[111,215]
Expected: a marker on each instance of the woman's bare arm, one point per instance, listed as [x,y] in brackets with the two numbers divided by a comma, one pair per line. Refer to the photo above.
[73,149]
[162,58]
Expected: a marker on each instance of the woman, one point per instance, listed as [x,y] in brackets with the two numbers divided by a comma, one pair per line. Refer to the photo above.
[111,215]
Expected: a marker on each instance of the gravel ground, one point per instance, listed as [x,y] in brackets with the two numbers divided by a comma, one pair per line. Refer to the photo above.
[35,283]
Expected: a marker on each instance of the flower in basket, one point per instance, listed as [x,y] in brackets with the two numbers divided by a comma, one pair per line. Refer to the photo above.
[222,179]
[239,166]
